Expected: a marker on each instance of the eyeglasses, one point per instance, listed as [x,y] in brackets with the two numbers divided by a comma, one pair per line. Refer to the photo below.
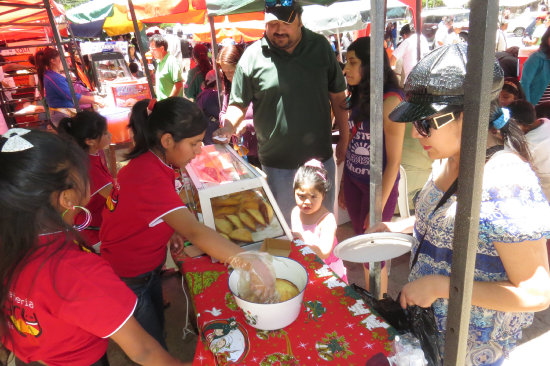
[270,3]
[423,126]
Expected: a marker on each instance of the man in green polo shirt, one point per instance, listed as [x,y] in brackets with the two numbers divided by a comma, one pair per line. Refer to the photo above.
[168,79]
[292,79]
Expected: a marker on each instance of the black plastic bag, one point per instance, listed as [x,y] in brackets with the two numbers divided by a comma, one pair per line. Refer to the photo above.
[416,320]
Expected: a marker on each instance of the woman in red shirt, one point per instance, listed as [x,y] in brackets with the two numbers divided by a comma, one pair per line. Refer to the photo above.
[89,130]
[60,302]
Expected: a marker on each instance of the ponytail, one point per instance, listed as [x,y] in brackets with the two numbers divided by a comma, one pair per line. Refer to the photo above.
[510,130]
[83,126]
[177,116]
[43,59]
[138,125]
[200,53]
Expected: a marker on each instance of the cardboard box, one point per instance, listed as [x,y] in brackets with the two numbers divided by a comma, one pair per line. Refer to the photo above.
[277,247]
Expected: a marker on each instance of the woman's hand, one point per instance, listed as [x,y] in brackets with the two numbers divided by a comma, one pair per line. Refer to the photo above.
[99,101]
[379,227]
[424,291]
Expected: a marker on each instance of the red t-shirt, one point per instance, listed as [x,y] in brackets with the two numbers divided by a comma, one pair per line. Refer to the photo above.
[64,304]
[133,234]
[99,179]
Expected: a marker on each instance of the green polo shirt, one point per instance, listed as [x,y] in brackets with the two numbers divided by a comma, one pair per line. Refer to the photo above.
[290,98]
[168,73]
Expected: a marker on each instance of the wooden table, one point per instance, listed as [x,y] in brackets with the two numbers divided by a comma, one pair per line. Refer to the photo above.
[335,326]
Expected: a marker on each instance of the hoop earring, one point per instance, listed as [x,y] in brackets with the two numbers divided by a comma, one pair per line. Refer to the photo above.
[86,222]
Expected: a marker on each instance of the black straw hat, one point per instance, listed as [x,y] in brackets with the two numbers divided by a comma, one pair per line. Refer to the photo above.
[437,82]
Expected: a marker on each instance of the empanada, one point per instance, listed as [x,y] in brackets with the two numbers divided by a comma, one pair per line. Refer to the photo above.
[235,221]
[247,220]
[256,215]
[241,235]
[267,211]
[223,226]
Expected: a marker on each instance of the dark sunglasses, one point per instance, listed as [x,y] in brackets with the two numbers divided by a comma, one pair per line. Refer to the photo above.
[423,126]
[271,3]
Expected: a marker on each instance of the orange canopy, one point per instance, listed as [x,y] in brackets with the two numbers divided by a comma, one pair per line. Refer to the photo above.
[17,15]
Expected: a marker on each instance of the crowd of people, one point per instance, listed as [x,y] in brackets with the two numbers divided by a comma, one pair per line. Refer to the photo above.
[283,96]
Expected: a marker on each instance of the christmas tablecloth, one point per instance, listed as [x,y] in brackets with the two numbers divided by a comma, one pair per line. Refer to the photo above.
[335,326]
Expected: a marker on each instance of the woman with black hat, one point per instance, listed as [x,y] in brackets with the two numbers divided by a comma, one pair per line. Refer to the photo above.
[511,278]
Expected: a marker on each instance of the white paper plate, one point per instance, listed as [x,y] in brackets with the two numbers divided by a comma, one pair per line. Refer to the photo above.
[374,247]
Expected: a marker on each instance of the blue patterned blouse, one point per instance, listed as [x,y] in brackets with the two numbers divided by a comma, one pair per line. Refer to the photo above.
[513,210]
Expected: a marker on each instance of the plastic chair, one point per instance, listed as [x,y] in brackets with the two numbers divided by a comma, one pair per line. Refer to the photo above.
[403,199]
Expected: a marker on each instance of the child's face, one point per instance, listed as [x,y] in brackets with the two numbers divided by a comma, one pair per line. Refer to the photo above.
[505,98]
[182,152]
[104,140]
[308,199]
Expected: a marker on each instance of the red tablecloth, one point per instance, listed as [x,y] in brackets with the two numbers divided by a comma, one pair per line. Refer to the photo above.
[334,327]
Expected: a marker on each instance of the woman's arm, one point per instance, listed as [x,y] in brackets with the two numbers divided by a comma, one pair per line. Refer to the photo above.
[141,347]
[206,239]
[393,135]
[91,99]
[528,288]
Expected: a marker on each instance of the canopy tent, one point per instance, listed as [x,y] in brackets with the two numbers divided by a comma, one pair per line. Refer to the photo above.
[336,18]
[90,19]
[17,19]
[227,7]
[245,31]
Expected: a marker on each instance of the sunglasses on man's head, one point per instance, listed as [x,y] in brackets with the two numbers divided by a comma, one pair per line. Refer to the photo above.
[423,126]
[270,3]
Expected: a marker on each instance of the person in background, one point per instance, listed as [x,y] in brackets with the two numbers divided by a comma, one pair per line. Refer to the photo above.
[540,29]
[501,44]
[535,76]
[509,61]
[311,222]
[292,101]
[228,58]
[186,51]
[174,45]
[209,103]
[355,186]
[511,278]
[405,54]
[537,134]
[144,211]
[73,301]
[135,71]
[134,57]
[89,131]
[196,75]
[511,91]
[55,87]
[446,34]
[168,79]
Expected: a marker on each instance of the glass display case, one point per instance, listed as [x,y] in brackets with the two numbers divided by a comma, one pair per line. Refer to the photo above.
[108,67]
[232,197]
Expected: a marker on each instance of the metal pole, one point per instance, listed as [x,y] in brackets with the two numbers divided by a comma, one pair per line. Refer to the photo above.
[483,20]
[339,44]
[141,48]
[376,132]
[215,57]
[61,50]
[418,30]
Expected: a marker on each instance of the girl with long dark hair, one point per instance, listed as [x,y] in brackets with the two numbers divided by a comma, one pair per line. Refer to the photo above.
[196,75]
[60,302]
[355,187]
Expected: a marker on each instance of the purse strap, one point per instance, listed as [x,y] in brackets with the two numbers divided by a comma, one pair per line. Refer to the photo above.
[452,189]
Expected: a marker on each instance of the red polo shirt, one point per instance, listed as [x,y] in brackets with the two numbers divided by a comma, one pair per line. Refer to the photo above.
[133,234]
[63,305]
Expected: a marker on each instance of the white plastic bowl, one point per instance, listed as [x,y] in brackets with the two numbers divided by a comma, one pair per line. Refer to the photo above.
[274,316]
